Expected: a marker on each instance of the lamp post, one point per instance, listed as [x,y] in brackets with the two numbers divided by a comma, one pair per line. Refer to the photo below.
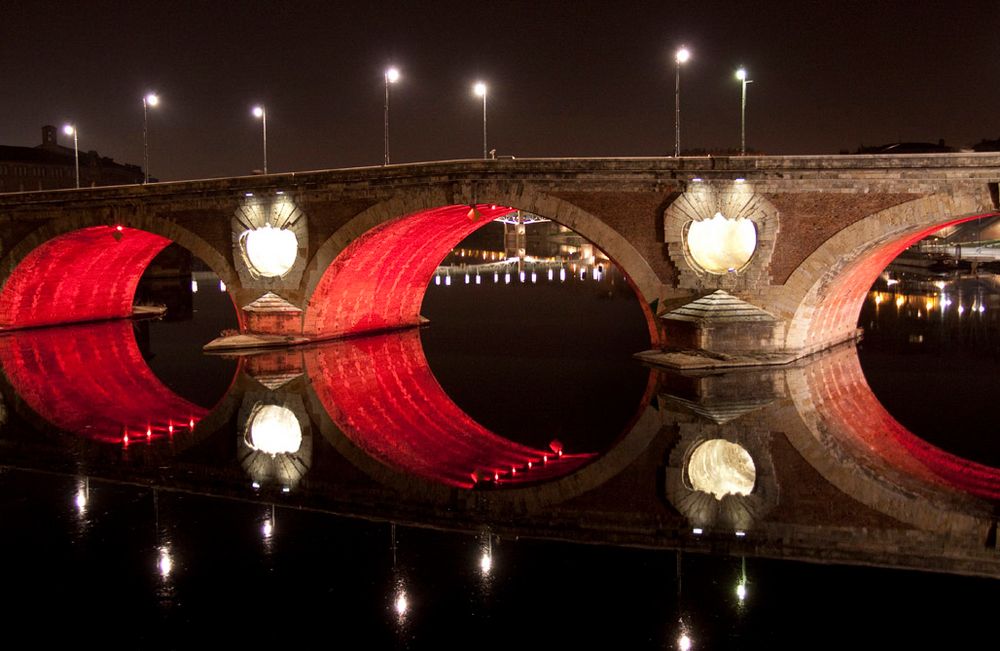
[70,130]
[148,100]
[741,74]
[391,77]
[480,90]
[683,54]
[259,112]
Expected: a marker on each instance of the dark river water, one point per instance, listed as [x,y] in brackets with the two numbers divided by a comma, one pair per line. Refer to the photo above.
[378,529]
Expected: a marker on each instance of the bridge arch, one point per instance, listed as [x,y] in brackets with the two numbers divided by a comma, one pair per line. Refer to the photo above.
[826,292]
[371,274]
[87,268]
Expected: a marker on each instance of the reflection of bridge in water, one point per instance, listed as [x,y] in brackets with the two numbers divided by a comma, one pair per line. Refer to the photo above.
[794,462]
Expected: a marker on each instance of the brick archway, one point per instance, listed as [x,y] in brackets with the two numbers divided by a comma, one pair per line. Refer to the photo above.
[87,268]
[823,296]
[372,273]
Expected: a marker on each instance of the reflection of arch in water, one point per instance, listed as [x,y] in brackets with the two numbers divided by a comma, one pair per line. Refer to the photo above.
[738,511]
[860,448]
[92,380]
[284,455]
[366,371]
[381,393]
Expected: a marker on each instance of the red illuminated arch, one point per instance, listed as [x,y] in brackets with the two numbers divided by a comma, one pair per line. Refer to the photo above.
[92,380]
[384,257]
[378,281]
[830,287]
[86,275]
[83,269]
[382,395]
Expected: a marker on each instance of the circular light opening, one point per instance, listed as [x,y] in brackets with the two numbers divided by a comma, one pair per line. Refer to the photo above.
[721,468]
[270,251]
[721,245]
[274,429]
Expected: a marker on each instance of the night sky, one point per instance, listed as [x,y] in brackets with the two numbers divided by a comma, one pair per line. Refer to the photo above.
[566,78]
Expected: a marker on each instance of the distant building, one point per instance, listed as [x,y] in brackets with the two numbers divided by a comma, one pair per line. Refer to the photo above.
[987,145]
[50,166]
[907,148]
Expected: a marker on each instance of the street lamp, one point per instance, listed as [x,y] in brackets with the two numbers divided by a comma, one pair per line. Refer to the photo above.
[259,112]
[391,77]
[682,56]
[741,74]
[70,130]
[480,90]
[150,99]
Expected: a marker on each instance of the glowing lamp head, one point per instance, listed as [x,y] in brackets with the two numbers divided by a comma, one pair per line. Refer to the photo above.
[258,111]
[741,74]
[486,563]
[69,130]
[392,75]
[152,99]
[682,55]
[741,592]
[479,89]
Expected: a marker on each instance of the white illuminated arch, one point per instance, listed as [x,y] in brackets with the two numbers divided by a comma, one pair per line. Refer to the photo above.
[721,468]
[274,429]
[271,252]
[720,245]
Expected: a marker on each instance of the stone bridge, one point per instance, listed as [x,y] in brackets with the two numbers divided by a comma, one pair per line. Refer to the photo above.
[737,256]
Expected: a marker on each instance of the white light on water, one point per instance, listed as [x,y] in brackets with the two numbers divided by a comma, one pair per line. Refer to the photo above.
[165,563]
